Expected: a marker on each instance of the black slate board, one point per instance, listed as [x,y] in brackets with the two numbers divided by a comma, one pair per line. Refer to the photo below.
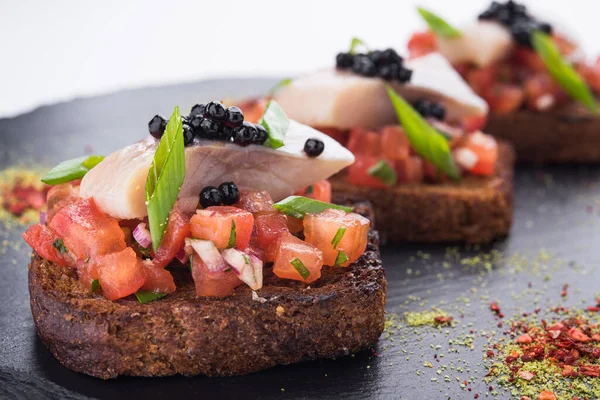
[556,209]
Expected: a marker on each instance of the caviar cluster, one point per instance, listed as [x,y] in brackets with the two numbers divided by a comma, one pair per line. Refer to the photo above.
[213,121]
[515,17]
[429,109]
[386,64]
[226,194]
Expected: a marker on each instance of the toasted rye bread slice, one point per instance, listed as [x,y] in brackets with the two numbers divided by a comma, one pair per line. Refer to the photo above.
[570,134]
[474,210]
[341,313]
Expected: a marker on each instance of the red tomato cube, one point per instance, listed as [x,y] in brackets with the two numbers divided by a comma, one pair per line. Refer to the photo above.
[335,231]
[410,170]
[177,230]
[269,228]
[320,190]
[422,43]
[485,149]
[255,202]
[44,241]
[296,259]
[120,274]
[217,225]
[358,173]
[364,142]
[394,143]
[212,283]
[158,279]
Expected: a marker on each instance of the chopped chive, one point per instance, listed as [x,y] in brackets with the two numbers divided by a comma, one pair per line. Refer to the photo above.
[71,170]
[60,246]
[341,258]
[281,84]
[338,237]
[232,235]
[191,263]
[384,172]
[246,259]
[95,285]
[146,296]
[298,206]
[300,267]
[310,189]
[356,42]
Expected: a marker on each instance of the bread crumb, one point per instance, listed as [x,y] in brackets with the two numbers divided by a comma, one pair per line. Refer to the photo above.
[279,310]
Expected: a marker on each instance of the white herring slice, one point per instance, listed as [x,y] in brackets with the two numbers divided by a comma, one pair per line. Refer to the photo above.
[118,183]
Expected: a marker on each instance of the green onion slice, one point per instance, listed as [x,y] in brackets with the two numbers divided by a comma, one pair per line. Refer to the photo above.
[356,42]
[564,74]
[341,258]
[384,172]
[438,25]
[95,285]
[338,237]
[232,235]
[146,296]
[279,85]
[59,245]
[426,141]
[276,122]
[165,178]
[71,170]
[298,206]
[300,267]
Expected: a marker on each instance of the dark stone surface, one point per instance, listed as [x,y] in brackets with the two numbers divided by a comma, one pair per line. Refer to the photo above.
[556,209]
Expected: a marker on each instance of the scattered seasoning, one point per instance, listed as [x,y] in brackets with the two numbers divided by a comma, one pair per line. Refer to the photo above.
[22,195]
[434,317]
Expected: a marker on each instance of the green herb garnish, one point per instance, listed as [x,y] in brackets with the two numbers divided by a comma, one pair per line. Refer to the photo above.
[384,172]
[60,246]
[338,237]
[298,206]
[356,42]
[426,141]
[281,84]
[341,258]
[438,25]
[146,296]
[71,170]
[564,74]
[165,178]
[191,263]
[310,189]
[95,285]
[144,252]
[276,123]
[300,267]
[232,235]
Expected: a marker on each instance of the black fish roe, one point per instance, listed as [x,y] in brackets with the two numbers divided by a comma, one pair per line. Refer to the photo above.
[314,147]
[430,109]
[198,109]
[245,134]
[261,134]
[209,129]
[188,135]
[234,117]
[229,193]
[386,64]
[216,111]
[210,196]
[157,126]
[515,17]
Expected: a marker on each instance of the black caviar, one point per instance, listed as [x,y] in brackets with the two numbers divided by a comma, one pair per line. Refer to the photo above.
[213,121]
[430,109]
[386,64]
[229,193]
[210,196]
[314,147]
[516,18]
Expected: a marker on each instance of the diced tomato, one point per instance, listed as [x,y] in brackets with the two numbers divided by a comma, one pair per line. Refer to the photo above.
[87,270]
[542,92]
[158,279]
[481,79]
[321,230]
[42,239]
[216,223]
[486,149]
[504,98]
[422,43]
[364,142]
[290,249]
[177,230]
[255,202]
[253,109]
[474,123]
[269,228]
[58,197]
[394,143]
[564,44]
[320,190]
[212,284]
[410,170]
[529,59]
[591,74]
[341,136]
[120,274]
[358,173]
[294,225]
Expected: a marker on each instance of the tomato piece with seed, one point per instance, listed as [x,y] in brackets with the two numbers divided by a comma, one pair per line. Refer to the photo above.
[255,202]
[120,274]
[290,249]
[269,228]
[178,229]
[210,283]
[42,239]
[87,231]
[358,173]
[364,142]
[158,279]
[215,224]
[333,231]
[485,149]
[394,143]
[320,190]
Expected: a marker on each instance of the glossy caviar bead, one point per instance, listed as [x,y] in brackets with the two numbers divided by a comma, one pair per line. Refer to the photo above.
[362,65]
[388,72]
[157,126]
[521,32]
[234,117]
[188,135]
[229,193]
[344,60]
[210,129]
[404,75]
[314,147]
[376,56]
[261,134]
[389,56]
[227,133]
[437,111]
[244,135]
[422,106]
[198,109]
[210,196]
[215,110]
[194,122]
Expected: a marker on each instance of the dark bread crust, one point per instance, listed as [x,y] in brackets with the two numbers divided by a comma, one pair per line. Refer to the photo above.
[570,134]
[341,313]
[474,210]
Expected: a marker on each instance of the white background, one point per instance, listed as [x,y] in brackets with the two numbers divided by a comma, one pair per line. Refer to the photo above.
[55,50]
